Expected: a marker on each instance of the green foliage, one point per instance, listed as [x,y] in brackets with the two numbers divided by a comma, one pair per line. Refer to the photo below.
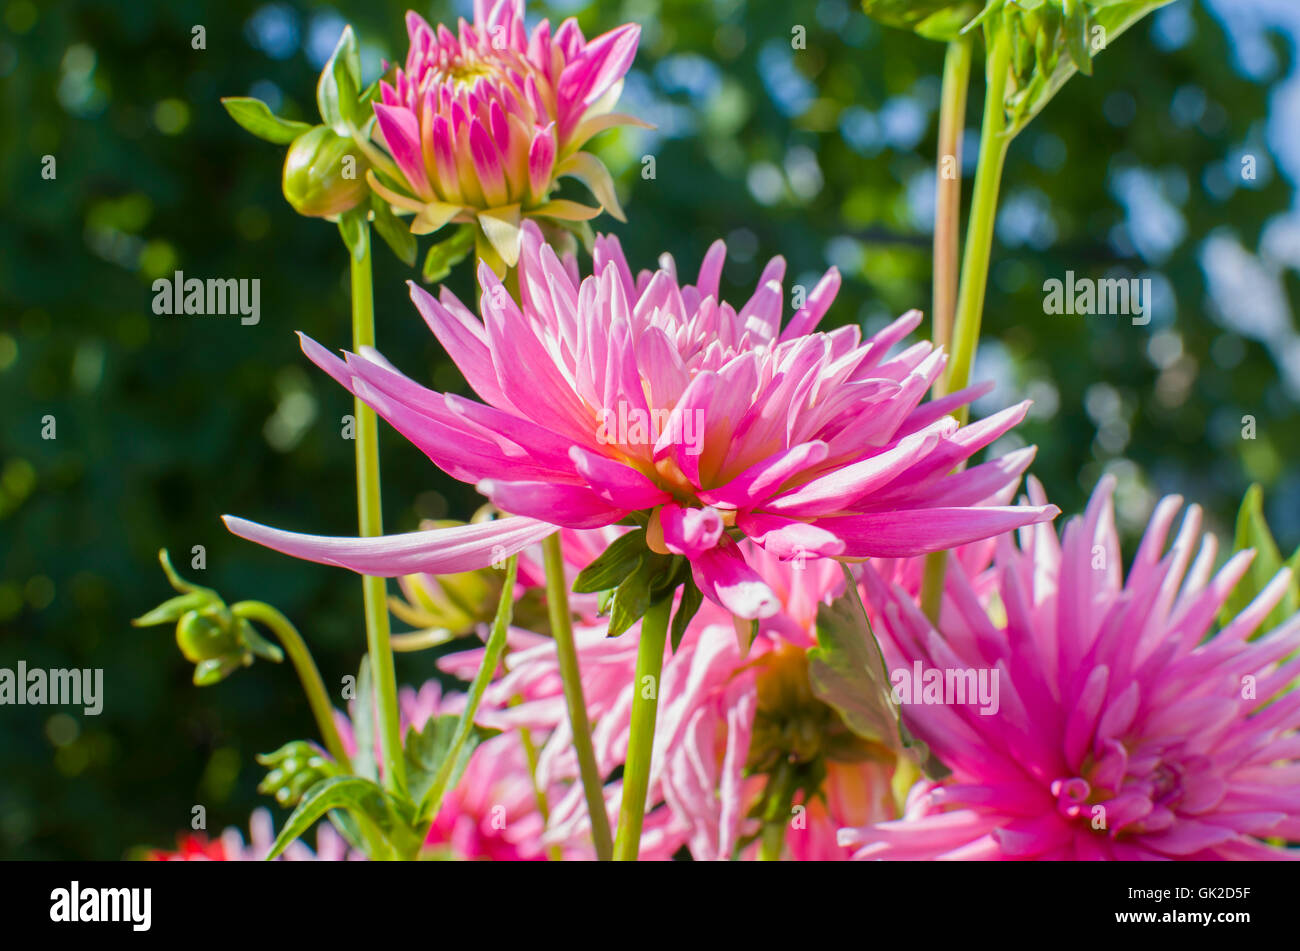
[1253,533]
[163,423]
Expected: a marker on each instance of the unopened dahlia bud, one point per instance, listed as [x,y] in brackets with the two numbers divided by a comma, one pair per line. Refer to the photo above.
[324,174]
[482,122]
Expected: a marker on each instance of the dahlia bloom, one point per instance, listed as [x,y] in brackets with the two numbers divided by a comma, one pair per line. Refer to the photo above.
[617,398]
[727,715]
[480,125]
[1125,728]
[231,847]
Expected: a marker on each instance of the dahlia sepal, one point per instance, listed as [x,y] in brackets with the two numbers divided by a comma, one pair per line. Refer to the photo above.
[338,91]
[395,234]
[255,116]
[446,254]
[562,209]
[501,228]
[433,216]
[1253,533]
[589,128]
[589,170]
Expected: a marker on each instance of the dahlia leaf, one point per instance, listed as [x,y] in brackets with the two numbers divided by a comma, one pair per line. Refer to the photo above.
[340,792]
[255,116]
[363,724]
[847,670]
[612,565]
[395,234]
[692,598]
[631,598]
[425,751]
[1253,532]
[446,254]
[941,20]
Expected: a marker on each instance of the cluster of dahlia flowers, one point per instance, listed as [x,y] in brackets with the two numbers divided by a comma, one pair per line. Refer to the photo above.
[747,475]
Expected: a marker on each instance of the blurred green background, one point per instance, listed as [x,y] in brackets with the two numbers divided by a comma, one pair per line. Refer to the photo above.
[823,154]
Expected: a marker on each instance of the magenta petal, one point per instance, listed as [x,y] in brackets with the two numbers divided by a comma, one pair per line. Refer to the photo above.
[787,538]
[401,131]
[616,483]
[437,551]
[725,578]
[902,534]
[569,506]
[690,531]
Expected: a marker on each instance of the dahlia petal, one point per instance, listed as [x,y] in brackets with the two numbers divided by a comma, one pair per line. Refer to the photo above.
[725,578]
[436,551]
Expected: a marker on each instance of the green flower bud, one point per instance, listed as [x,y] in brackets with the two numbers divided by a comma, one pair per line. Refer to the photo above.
[206,635]
[324,174]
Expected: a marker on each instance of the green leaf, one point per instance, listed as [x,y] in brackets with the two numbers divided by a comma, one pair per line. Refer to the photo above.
[446,254]
[613,564]
[355,231]
[847,670]
[338,90]
[1253,532]
[256,117]
[425,752]
[940,20]
[363,724]
[692,598]
[395,234]
[632,597]
[339,792]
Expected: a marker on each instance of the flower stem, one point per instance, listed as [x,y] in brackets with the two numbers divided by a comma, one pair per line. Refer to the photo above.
[308,673]
[371,521]
[496,646]
[983,213]
[557,605]
[947,211]
[975,263]
[640,746]
[776,813]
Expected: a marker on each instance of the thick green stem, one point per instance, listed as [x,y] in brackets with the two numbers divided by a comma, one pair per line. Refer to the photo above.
[640,745]
[317,697]
[557,605]
[371,521]
[983,213]
[776,814]
[947,209]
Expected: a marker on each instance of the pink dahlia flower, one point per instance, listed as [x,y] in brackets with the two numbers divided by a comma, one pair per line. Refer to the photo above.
[617,398]
[728,716]
[1125,727]
[481,124]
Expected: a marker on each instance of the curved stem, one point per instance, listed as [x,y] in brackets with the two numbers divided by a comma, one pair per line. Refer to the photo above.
[640,746]
[308,673]
[947,209]
[776,814]
[371,521]
[557,606]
